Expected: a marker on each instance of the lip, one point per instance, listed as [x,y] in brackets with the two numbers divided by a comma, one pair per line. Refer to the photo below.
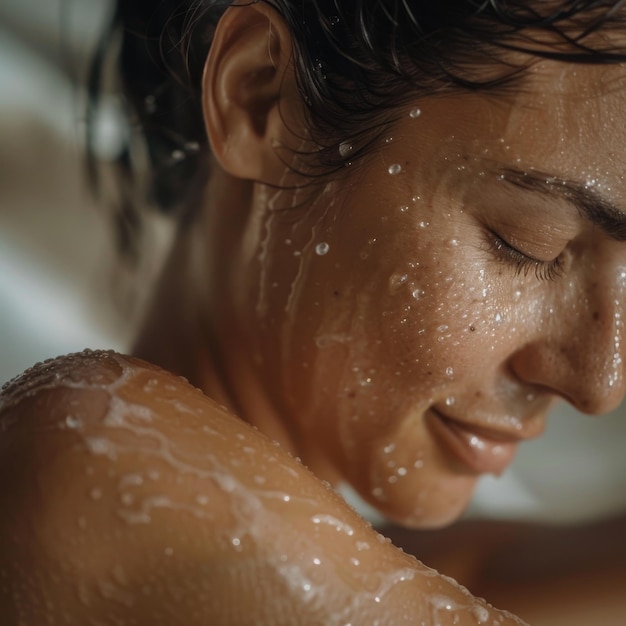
[481,450]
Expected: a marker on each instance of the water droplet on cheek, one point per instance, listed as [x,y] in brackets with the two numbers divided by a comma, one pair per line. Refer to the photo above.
[394,169]
[396,281]
[322,249]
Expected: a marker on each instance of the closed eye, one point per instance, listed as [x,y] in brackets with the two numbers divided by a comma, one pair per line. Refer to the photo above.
[521,262]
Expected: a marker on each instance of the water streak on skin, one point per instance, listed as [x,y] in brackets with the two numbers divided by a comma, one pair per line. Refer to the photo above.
[254,519]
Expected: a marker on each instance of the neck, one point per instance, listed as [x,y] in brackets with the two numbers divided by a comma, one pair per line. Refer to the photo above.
[192,328]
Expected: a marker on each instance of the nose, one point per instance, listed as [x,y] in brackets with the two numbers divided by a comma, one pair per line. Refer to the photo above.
[579,356]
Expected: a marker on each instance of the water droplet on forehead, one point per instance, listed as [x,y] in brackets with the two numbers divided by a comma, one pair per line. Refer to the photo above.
[417,293]
[322,248]
[415,113]
[394,169]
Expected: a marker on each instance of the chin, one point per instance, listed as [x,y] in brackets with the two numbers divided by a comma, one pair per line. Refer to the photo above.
[434,515]
[427,506]
[430,520]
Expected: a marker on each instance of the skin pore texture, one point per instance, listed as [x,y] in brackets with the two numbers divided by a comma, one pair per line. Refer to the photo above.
[400,325]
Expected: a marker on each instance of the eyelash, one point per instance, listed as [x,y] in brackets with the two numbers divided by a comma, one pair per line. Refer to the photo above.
[524,264]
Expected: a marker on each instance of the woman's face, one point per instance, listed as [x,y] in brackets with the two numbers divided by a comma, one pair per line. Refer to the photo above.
[416,318]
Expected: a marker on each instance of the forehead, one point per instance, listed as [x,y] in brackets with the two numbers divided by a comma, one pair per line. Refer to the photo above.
[562,118]
[572,119]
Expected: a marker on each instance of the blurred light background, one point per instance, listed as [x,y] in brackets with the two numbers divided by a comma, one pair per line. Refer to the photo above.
[57,264]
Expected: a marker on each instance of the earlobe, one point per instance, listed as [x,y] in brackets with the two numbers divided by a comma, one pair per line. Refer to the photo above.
[247,85]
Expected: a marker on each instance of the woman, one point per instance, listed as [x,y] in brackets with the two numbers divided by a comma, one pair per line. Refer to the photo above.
[402,246]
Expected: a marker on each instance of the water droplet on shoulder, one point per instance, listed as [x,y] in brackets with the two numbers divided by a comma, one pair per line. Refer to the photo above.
[481,614]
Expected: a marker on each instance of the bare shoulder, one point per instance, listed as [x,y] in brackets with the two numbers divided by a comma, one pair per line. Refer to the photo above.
[130,497]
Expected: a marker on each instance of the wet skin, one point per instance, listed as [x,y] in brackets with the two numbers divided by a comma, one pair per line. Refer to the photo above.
[130,497]
[400,329]
[414,320]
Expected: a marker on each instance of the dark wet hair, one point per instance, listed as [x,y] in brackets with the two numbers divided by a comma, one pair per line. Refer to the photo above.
[356,62]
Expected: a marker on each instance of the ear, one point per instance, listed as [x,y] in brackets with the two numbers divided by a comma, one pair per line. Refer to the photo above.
[249,94]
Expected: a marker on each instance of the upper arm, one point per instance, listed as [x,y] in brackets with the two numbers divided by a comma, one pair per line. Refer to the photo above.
[128,496]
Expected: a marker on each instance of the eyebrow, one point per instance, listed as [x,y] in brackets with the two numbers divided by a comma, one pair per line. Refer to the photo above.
[590,204]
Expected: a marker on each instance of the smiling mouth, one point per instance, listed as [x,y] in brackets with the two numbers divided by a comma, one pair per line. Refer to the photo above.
[480,450]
